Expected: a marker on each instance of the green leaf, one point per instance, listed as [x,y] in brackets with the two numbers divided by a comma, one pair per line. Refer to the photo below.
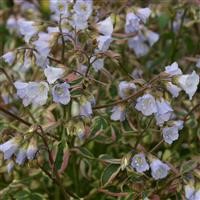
[99,123]
[188,166]
[163,20]
[59,156]
[87,154]
[109,159]
[109,173]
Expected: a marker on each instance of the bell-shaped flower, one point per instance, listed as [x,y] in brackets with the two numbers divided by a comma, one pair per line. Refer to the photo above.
[32,92]
[132,23]
[28,29]
[151,37]
[191,193]
[198,63]
[53,73]
[143,14]
[170,133]
[164,111]
[60,8]
[79,22]
[173,69]
[173,89]
[159,170]
[125,88]
[61,93]
[105,27]
[103,42]
[12,24]
[189,83]
[86,106]
[118,113]
[97,63]
[83,8]
[21,155]
[10,147]
[146,104]
[139,163]
[138,44]
[9,57]
[10,166]
[163,106]
[32,149]
[44,43]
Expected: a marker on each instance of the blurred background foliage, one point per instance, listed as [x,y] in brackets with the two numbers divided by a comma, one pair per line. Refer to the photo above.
[94,170]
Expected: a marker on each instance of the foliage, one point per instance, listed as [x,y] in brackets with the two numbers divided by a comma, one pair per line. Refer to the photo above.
[99,99]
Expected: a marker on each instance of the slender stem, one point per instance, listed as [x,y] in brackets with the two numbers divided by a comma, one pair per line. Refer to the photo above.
[136,94]
[157,146]
[141,134]
[63,40]
[190,112]
[2,109]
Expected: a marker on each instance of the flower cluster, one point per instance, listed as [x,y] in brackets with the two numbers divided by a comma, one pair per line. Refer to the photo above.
[87,74]
[159,170]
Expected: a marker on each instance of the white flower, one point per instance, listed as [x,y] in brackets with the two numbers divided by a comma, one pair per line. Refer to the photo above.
[124,88]
[143,14]
[41,60]
[146,104]
[173,69]
[163,106]
[86,106]
[44,43]
[118,113]
[132,23]
[61,93]
[189,83]
[159,170]
[139,163]
[152,37]
[12,24]
[164,111]
[105,27]
[32,149]
[27,29]
[53,73]
[97,64]
[60,7]
[9,57]
[103,42]
[32,92]
[161,118]
[170,134]
[173,89]
[191,193]
[138,44]
[86,109]
[10,147]
[79,22]
[21,156]
[178,124]
[10,166]
[198,63]
[83,8]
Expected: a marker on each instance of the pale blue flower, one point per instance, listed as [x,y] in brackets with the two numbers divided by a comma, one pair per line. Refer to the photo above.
[159,170]
[61,93]
[118,113]
[9,148]
[21,156]
[53,73]
[146,104]
[139,163]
